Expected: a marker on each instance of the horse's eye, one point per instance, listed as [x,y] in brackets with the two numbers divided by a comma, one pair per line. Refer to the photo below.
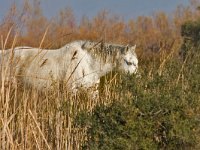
[128,63]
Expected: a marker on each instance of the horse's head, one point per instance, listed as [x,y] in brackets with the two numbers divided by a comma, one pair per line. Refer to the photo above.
[124,56]
[129,61]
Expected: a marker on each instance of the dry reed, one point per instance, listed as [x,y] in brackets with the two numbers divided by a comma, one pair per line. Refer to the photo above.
[30,119]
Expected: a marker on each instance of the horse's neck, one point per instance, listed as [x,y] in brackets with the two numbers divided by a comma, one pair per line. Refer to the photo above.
[104,67]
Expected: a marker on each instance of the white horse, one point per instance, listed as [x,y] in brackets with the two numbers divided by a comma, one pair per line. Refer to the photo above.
[77,64]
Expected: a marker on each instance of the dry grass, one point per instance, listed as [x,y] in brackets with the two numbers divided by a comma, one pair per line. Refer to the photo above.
[31,119]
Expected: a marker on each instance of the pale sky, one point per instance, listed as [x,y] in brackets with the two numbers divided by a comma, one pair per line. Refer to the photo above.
[127,9]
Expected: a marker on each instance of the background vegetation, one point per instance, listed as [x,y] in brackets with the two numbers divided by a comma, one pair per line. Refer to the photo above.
[159,109]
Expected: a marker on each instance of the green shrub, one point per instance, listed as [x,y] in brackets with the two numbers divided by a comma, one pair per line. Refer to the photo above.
[161,113]
[190,31]
[159,110]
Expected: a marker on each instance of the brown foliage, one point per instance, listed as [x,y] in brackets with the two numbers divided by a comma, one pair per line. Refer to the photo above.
[32,121]
[152,34]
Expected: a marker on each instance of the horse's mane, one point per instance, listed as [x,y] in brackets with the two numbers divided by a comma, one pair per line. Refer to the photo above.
[101,50]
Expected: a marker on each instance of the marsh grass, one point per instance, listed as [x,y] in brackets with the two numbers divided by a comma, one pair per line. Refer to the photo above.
[152,103]
[32,119]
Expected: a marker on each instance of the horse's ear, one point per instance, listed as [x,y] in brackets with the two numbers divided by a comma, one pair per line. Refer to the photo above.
[126,48]
[133,47]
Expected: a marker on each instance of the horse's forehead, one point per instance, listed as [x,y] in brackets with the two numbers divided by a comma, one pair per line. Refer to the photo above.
[131,56]
[129,53]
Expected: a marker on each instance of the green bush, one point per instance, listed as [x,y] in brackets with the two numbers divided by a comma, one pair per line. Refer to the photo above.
[154,111]
[162,114]
[190,31]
